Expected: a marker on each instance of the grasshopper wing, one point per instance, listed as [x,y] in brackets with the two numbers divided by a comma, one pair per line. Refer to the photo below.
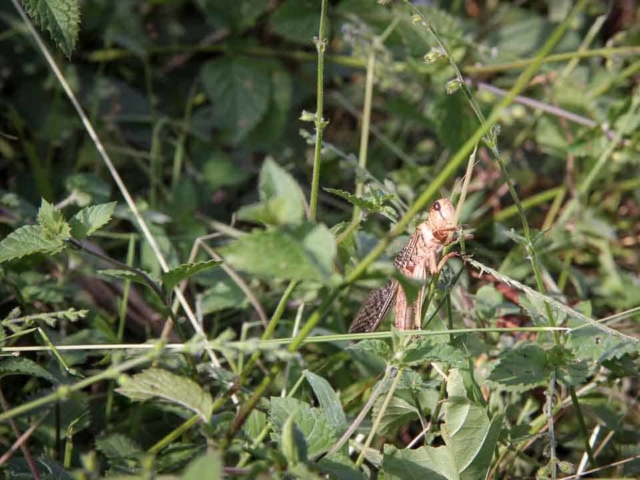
[374,308]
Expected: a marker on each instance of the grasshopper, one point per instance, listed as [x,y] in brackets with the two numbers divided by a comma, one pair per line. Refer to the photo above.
[417,259]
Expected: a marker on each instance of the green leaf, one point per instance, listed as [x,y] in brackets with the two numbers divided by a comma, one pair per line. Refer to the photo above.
[373,203]
[282,200]
[155,383]
[237,15]
[425,350]
[87,188]
[378,348]
[470,439]
[297,20]
[318,432]
[589,343]
[328,399]
[28,240]
[24,366]
[208,465]
[293,444]
[303,252]
[399,412]
[340,466]
[521,368]
[88,220]
[239,90]
[117,447]
[256,421]
[60,17]
[52,222]
[186,270]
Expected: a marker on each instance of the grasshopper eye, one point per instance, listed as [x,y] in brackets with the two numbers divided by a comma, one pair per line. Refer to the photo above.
[436,206]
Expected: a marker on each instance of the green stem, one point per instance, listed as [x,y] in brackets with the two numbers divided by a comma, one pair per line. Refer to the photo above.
[376,423]
[364,132]
[321,44]
[173,435]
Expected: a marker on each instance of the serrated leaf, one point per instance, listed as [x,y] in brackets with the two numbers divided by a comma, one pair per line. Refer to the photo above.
[239,90]
[276,182]
[117,446]
[155,383]
[297,20]
[378,348]
[28,240]
[60,17]
[328,399]
[425,350]
[88,220]
[373,203]
[208,465]
[52,221]
[24,366]
[174,276]
[521,368]
[318,433]
[303,252]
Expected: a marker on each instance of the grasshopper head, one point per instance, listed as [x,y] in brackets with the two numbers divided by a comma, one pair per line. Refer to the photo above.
[442,219]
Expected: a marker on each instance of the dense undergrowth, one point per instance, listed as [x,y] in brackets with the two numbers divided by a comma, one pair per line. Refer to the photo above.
[194,206]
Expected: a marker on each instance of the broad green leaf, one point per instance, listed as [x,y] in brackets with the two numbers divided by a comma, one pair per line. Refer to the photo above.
[589,343]
[28,240]
[328,399]
[425,350]
[24,366]
[426,463]
[239,90]
[313,423]
[117,446]
[303,252]
[454,119]
[470,439]
[219,170]
[521,368]
[176,275]
[378,348]
[90,219]
[155,383]
[60,17]
[208,465]
[339,465]
[52,222]
[256,421]
[292,442]
[398,412]
[224,294]
[297,20]
[281,198]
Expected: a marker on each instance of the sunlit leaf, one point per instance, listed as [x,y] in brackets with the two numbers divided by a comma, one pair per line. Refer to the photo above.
[60,17]
[90,219]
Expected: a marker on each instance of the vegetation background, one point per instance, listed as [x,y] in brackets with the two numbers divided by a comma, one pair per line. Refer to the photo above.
[268,159]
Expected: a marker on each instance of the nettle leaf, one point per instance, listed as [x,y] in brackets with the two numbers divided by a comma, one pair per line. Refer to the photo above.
[378,348]
[328,399]
[155,383]
[374,203]
[52,222]
[470,439]
[316,428]
[239,90]
[589,343]
[425,350]
[297,20]
[208,465]
[24,366]
[174,276]
[117,447]
[521,368]
[303,252]
[282,200]
[60,17]
[90,219]
[28,240]
[293,444]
